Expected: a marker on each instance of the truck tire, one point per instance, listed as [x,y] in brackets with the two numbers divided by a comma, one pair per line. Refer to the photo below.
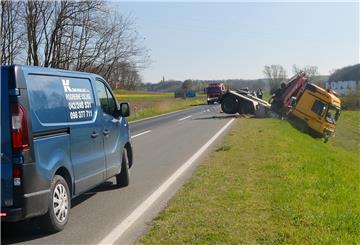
[246,108]
[123,178]
[230,105]
[59,206]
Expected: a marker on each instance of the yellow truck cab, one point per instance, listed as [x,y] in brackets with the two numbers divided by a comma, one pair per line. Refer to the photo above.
[319,109]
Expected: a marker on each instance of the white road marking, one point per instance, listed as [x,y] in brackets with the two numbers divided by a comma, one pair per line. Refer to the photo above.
[136,135]
[181,119]
[161,115]
[120,229]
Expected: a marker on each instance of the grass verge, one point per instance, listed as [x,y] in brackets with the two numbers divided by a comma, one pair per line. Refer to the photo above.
[145,105]
[268,184]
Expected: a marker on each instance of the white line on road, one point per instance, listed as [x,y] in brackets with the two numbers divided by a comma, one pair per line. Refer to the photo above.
[161,115]
[181,119]
[136,135]
[119,230]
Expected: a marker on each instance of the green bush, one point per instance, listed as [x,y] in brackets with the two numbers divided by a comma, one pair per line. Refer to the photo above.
[351,101]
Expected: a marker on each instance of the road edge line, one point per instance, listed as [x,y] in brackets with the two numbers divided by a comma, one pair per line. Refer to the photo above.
[160,115]
[184,118]
[139,134]
[120,229]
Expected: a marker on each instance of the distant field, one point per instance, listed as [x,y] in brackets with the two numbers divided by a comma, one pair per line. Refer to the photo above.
[144,105]
[268,183]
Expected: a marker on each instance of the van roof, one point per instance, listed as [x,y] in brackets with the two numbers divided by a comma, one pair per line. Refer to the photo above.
[53,71]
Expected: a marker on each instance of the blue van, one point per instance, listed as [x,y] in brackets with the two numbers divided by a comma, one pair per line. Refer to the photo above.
[62,133]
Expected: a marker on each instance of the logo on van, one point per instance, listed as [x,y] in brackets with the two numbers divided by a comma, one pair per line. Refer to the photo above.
[67,88]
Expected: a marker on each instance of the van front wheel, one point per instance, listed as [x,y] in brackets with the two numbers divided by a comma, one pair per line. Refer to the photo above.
[123,178]
[59,206]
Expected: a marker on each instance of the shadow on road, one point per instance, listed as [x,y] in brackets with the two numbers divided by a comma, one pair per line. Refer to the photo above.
[30,229]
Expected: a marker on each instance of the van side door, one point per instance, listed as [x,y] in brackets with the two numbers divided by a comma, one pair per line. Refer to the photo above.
[113,129]
[87,152]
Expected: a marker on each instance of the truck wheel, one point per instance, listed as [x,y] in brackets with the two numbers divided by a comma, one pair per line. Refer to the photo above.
[59,206]
[246,108]
[229,105]
[123,178]
[326,136]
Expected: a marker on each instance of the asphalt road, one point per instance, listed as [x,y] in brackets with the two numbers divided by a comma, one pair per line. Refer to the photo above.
[161,146]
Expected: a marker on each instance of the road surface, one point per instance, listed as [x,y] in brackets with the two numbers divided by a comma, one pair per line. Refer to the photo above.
[162,147]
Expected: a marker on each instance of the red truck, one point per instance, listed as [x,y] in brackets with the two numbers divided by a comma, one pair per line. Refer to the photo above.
[214,91]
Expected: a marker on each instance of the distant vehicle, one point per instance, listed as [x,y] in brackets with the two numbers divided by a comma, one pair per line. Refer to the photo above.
[182,93]
[214,91]
[62,133]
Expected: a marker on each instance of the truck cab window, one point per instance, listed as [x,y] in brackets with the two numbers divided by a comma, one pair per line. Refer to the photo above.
[332,114]
[318,107]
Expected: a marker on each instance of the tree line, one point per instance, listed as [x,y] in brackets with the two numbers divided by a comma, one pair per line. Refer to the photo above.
[76,35]
[276,74]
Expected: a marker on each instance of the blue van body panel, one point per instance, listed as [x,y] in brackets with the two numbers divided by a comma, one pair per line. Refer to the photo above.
[53,153]
[6,165]
[68,130]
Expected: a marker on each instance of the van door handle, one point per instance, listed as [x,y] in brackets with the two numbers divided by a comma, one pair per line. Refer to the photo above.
[106,132]
[94,135]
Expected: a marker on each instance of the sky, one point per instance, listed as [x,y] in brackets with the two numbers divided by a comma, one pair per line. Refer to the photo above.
[218,41]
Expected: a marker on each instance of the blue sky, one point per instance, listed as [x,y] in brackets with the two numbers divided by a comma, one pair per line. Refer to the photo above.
[235,40]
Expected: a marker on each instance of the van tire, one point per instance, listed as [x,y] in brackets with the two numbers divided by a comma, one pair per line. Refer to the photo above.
[123,178]
[50,221]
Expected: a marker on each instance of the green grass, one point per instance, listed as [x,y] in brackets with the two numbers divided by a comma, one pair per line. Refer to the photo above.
[143,105]
[135,97]
[348,131]
[268,183]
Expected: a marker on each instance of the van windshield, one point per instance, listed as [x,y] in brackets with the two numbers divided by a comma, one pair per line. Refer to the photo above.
[332,114]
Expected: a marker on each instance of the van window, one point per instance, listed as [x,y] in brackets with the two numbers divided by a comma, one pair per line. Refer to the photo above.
[47,99]
[79,97]
[107,102]
[318,107]
[112,103]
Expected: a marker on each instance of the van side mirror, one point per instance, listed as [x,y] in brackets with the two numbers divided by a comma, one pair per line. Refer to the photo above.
[124,110]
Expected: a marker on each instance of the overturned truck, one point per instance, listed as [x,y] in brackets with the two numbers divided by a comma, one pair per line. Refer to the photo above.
[315,108]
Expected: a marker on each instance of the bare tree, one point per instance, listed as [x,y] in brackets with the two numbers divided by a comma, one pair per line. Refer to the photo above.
[275,75]
[311,71]
[12,36]
[79,35]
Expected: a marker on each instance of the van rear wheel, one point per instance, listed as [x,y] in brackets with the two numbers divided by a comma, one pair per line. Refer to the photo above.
[123,178]
[59,206]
